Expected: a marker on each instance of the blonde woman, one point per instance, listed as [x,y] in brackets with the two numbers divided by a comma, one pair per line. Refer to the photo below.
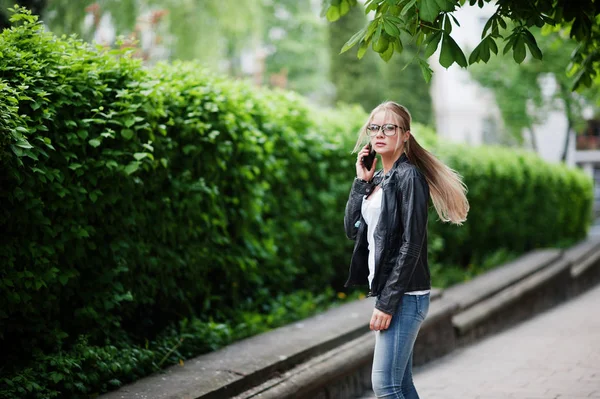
[386,215]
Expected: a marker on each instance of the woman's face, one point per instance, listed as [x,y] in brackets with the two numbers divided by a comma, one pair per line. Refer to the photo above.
[382,143]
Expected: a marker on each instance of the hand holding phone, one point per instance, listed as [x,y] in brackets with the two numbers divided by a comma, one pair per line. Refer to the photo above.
[368,160]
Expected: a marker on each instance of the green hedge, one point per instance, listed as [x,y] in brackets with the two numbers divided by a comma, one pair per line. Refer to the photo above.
[127,190]
[518,203]
[141,206]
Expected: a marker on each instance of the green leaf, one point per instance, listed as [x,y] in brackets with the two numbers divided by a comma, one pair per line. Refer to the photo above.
[397,44]
[333,14]
[18,151]
[394,19]
[501,22]
[362,49]
[446,55]
[83,134]
[31,154]
[23,144]
[132,167]
[344,8]
[387,54]
[475,55]
[56,377]
[407,7]
[94,142]
[492,45]
[429,9]
[371,6]
[425,69]
[455,20]
[390,28]
[129,121]
[519,50]
[482,51]
[148,146]
[447,24]
[63,279]
[371,29]
[141,155]
[358,36]
[432,45]
[510,42]
[457,53]
[325,4]
[532,44]
[127,134]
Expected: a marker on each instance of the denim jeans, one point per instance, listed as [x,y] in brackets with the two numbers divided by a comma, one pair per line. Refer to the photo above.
[392,361]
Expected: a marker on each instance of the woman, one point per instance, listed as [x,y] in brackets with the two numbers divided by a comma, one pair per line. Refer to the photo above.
[386,215]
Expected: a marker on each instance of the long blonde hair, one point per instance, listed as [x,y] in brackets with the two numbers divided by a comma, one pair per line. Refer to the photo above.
[447,190]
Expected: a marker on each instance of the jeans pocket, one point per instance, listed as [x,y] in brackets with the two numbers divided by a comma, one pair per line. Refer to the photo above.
[422,305]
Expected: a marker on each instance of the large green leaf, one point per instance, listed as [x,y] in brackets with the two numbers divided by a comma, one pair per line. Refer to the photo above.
[433,43]
[451,53]
[429,9]
[333,13]
[532,44]
[519,49]
[358,36]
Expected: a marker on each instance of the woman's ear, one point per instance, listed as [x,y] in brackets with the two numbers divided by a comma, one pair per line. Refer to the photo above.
[407,137]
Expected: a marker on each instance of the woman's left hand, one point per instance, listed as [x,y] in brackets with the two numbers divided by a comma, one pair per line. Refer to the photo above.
[380,320]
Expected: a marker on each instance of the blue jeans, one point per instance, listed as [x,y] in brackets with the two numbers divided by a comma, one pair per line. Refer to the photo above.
[392,361]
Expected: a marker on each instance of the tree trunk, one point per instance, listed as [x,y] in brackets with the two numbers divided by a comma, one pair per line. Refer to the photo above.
[533,139]
[566,147]
[566,95]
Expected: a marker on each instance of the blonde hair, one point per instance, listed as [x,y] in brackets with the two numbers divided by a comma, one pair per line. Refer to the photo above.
[447,190]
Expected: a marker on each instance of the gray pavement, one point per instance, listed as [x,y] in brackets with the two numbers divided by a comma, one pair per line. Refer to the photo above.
[553,355]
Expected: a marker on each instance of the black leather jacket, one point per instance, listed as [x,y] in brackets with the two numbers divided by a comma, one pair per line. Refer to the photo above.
[400,237]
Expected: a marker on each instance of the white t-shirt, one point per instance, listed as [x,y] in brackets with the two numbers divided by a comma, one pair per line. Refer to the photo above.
[371,210]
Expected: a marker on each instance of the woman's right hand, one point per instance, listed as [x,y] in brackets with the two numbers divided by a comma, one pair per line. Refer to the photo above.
[361,171]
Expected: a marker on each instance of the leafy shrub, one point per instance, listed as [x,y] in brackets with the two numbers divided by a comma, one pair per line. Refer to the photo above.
[518,203]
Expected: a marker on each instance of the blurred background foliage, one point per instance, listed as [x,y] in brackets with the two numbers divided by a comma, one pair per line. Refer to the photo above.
[521,90]
[275,43]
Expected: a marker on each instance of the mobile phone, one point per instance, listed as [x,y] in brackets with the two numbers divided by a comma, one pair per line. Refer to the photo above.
[368,160]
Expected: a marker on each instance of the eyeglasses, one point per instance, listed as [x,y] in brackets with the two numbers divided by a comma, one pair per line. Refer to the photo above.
[388,129]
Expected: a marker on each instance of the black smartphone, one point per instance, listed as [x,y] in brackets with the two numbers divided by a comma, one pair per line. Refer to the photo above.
[368,160]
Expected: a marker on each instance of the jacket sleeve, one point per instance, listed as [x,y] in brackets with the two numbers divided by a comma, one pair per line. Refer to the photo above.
[414,198]
[352,217]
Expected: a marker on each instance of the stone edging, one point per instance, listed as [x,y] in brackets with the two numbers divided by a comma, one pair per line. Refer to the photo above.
[329,355]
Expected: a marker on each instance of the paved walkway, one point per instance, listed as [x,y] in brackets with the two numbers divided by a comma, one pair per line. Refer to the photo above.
[553,355]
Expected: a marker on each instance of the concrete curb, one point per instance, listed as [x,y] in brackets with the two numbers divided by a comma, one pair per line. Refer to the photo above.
[352,361]
[329,355]
[517,302]
[484,286]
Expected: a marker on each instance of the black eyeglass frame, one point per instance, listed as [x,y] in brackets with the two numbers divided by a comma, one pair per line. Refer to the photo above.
[370,132]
